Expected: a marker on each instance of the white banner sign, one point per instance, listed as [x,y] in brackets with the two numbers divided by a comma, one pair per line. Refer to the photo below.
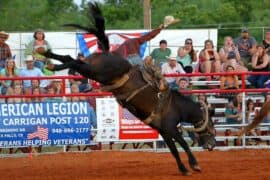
[107,110]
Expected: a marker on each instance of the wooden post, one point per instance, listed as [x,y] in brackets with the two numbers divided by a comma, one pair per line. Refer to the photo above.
[147,14]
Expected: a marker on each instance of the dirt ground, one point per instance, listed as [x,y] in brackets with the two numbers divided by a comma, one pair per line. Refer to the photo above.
[234,164]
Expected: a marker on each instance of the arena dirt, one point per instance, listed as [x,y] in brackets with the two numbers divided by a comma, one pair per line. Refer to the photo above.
[234,164]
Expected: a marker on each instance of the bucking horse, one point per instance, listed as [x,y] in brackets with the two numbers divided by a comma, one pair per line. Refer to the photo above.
[133,91]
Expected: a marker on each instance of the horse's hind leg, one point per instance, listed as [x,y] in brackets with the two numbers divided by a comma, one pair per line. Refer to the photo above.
[58,67]
[61,58]
[179,138]
[175,153]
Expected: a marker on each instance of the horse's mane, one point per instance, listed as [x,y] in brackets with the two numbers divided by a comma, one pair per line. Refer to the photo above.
[97,19]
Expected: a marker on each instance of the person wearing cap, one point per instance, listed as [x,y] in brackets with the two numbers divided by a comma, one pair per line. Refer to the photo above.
[159,54]
[172,67]
[246,45]
[38,43]
[5,51]
[266,41]
[31,71]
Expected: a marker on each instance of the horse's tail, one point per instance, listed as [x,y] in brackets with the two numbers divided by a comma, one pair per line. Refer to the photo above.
[257,120]
[98,30]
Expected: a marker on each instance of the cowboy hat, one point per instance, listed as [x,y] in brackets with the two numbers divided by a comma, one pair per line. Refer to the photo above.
[169,20]
[29,58]
[172,56]
[4,35]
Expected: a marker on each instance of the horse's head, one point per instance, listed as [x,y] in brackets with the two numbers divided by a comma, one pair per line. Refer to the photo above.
[207,134]
[205,129]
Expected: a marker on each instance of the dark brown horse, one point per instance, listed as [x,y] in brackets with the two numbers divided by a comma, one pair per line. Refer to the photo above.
[140,97]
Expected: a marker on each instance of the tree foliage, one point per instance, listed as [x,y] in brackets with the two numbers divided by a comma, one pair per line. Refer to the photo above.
[27,15]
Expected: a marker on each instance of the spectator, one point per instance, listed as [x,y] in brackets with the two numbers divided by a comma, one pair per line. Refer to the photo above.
[35,92]
[52,91]
[232,117]
[172,67]
[229,81]
[183,58]
[130,49]
[10,70]
[190,50]
[202,98]
[246,46]
[231,114]
[75,89]
[229,55]
[260,63]
[84,85]
[5,52]
[57,84]
[38,42]
[183,86]
[31,71]
[209,60]
[148,61]
[250,114]
[159,54]
[15,90]
[266,41]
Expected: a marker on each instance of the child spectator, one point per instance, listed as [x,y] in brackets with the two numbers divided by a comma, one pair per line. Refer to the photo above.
[5,52]
[260,63]
[209,60]
[10,70]
[246,46]
[38,42]
[229,55]
[159,54]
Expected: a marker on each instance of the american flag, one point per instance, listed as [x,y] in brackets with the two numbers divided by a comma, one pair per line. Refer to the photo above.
[41,133]
[127,115]
[88,42]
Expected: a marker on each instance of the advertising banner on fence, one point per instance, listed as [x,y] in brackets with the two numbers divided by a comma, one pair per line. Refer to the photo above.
[52,123]
[132,128]
[107,110]
[115,123]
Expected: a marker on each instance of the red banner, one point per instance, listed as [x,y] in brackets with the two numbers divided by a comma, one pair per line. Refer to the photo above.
[132,128]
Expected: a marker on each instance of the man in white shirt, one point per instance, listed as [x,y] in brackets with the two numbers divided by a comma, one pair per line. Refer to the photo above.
[172,67]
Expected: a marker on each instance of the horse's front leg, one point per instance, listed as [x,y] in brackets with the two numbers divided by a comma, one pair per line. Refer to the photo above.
[179,138]
[169,141]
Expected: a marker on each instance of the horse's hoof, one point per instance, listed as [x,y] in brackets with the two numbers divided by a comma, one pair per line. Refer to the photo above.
[196,168]
[187,173]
